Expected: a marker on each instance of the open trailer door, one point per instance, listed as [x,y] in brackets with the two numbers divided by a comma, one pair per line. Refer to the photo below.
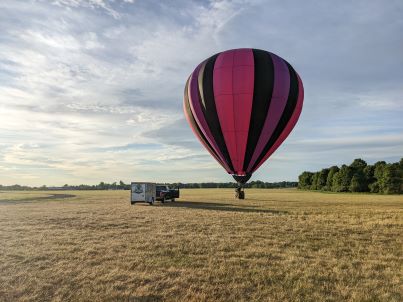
[175,192]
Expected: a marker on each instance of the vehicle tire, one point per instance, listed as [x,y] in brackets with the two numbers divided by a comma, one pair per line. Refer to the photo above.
[173,199]
[132,203]
[151,202]
[163,200]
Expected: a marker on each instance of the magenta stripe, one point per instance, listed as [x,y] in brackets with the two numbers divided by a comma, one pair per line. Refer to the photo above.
[290,124]
[233,93]
[243,85]
[195,106]
[188,118]
[279,98]
[224,101]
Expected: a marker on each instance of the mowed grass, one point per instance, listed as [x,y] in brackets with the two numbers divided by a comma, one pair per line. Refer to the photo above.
[277,245]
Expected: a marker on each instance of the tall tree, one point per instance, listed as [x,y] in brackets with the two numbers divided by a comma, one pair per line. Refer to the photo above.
[315,178]
[305,180]
[336,182]
[369,176]
[358,182]
[392,180]
[322,178]
[342,179]
[358,164]
[330,175]
[379,184]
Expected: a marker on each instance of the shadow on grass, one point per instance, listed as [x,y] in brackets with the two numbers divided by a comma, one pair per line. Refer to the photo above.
[227,207]
[151,298]
[29,199]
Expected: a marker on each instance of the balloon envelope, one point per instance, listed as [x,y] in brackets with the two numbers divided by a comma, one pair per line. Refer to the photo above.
[242,104]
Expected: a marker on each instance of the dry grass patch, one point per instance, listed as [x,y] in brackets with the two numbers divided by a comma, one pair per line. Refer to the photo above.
[278,245]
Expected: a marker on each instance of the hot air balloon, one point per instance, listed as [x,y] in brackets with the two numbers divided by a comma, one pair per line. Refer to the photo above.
[242,104]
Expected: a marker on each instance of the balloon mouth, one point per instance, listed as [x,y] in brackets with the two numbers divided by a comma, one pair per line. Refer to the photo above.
[242,179]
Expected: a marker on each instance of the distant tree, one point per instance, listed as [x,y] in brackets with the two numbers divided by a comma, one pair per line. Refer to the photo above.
[330,176]
[379,184]
[369,175]
[347,174]
[305,180]
[342,179]
[259,184]
[378,169]
[374,187]
[315,178]
[401,174]
[336,182]
[392,179]
[358,164]
[358,182]
[322,179]
[355,184]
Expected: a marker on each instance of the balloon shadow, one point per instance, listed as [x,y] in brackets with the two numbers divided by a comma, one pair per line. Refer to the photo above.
[227,207]
[150,298]
[29,199]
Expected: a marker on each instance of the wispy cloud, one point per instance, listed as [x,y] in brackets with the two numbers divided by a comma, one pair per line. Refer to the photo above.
[92,90]
[93,4]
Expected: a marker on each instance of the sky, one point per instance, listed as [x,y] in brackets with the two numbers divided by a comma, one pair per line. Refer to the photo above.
[92,90]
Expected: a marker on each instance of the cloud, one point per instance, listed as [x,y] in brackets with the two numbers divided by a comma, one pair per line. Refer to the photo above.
[92,90]
[93,4]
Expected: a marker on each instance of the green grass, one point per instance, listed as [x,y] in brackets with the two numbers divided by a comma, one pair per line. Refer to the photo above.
[277,245]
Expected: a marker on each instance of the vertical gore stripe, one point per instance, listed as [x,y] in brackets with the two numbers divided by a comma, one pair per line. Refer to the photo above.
[262,92]
[196,130]
[199,114]
[209,108]
[233,84]
[286,116]
[224,101]
[290,125]
[281,89]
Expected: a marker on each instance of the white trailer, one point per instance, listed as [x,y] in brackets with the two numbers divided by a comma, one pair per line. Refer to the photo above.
[143,192]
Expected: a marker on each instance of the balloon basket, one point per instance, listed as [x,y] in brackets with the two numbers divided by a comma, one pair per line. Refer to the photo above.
[239,193]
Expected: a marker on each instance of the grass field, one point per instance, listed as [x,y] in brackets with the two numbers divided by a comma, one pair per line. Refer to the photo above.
[277,245]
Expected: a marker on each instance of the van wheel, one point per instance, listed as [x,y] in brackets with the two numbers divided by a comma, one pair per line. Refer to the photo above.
[163,200]
[173,199]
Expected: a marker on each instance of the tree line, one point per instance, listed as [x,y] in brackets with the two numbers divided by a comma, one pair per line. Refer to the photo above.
[101,186]
[381,177]
[123,186]
[256,184]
